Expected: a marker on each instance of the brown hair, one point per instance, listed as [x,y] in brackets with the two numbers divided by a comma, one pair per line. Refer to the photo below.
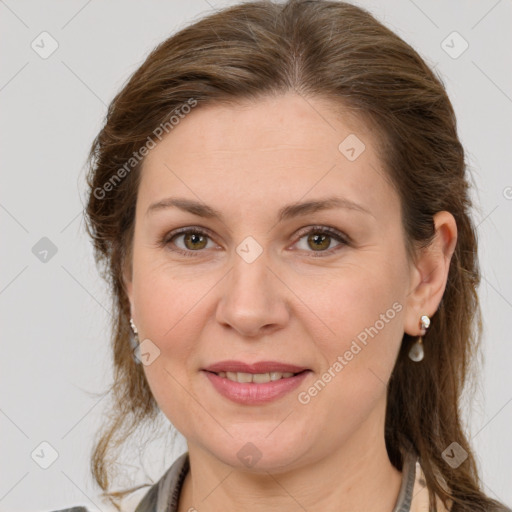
[339,52]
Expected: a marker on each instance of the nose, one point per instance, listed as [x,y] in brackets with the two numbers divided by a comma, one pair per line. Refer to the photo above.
[253,299]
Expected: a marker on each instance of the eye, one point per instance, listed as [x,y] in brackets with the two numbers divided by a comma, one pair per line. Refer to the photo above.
[187,241]
[319,239]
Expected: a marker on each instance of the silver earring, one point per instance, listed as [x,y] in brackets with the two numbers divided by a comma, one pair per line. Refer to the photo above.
[416,353]
[134,340]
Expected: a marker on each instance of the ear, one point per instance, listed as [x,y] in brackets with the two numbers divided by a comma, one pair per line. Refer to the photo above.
[430,273]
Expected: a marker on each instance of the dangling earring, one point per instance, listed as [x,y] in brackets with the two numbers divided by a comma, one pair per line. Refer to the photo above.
[416,353]
[135,337]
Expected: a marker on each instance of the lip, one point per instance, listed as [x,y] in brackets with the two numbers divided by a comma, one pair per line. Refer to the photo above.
[252,393]
[259,367]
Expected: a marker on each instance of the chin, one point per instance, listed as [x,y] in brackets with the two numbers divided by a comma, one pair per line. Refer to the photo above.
[255,452]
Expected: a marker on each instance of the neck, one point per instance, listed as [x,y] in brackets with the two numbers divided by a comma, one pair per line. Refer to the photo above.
[357,476]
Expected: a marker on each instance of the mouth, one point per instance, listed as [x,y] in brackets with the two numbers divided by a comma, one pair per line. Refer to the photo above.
[257,383]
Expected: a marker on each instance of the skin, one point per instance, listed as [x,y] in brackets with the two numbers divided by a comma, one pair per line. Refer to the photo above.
[293,304]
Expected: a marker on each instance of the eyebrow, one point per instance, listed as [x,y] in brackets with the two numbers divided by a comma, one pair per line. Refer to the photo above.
[285,213]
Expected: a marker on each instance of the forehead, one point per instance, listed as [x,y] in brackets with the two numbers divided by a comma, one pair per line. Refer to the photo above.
[274,149]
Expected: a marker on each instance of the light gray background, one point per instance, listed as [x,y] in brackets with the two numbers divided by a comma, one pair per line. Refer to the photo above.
[55,314]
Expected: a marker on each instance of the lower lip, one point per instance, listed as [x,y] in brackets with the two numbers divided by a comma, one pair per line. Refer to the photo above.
[251,393]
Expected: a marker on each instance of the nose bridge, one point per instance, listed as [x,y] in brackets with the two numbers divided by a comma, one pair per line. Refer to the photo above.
[252,299]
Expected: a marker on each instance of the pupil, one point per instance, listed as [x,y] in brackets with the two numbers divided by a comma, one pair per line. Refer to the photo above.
[319,241]
[195,239]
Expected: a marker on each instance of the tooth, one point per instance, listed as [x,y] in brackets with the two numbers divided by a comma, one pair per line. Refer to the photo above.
[243,377]
[261,378]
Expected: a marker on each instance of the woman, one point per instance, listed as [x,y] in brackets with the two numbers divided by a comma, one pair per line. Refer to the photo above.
[279,200]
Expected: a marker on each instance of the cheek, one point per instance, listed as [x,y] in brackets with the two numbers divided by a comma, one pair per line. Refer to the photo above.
[363,312]
[171,315]
[170,310]
[165,298]
[357,360]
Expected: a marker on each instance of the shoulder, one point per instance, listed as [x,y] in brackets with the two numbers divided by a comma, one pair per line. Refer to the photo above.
[164,493]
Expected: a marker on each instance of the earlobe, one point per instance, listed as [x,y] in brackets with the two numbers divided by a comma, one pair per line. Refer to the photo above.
[430,273]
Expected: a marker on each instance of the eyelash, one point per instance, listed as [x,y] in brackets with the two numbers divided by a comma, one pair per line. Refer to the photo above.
[324,230]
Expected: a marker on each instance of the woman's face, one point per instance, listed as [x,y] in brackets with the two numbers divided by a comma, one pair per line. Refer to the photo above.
[256,278]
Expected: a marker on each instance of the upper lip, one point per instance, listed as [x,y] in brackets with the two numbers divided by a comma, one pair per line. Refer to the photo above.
[259,367]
